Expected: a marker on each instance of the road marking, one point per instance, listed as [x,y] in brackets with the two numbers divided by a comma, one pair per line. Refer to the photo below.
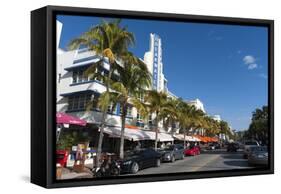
[201,165]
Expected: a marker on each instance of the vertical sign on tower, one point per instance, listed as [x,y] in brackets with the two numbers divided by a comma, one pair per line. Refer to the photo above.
[155,62]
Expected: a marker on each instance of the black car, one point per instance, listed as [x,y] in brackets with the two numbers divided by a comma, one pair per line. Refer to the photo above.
[140,159]
[213,146]
[232,147]
[172,153]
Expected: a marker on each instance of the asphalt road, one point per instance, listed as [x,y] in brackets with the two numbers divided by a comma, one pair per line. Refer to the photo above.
[208,160]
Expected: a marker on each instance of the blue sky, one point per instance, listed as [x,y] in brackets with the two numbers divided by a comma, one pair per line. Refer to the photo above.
[225,66]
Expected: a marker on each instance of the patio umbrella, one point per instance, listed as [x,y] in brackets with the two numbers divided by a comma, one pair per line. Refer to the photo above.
[63,118]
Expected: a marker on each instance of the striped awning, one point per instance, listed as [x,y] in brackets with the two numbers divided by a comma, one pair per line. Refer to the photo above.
[136,134]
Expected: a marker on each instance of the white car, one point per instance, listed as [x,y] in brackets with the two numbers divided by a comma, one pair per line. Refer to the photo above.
[248,145]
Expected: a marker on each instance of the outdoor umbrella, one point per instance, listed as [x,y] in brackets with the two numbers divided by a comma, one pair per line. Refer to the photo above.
[63,118]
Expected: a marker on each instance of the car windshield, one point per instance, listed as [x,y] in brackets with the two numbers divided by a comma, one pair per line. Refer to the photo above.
[169,148]
[251,143]
[259,149]
[132,153]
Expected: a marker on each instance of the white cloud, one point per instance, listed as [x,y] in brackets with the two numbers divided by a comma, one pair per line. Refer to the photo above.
[250,61]
[262,75]
[252,66]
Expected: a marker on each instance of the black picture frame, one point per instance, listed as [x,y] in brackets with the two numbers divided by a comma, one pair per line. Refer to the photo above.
[43,98]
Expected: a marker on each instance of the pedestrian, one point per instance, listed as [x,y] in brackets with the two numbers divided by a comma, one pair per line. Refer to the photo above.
[187,145]
[79,155]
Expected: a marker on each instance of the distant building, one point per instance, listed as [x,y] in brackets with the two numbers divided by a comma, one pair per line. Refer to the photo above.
[217,118]
[153,59]
[197,103]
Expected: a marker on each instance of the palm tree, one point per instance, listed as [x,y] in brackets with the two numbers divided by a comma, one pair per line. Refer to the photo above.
[109,41]
[134,77]
[171,115]
[185,116]
[224,127]
[157,103]
[212,126]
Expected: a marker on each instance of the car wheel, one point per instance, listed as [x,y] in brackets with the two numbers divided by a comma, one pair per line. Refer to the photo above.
[193,154]
[158,162]
[115,172]
[173,159]
[134,168]
[98,174]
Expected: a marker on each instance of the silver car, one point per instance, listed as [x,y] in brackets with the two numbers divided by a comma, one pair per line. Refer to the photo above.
[172,153]
[258,156]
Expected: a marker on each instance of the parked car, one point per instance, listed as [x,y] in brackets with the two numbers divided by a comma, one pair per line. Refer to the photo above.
[61,157]
[241,145]
[232,147]
[213,146]
[172,153]
[192,151]
[139,159]
[258,156]
[247,147]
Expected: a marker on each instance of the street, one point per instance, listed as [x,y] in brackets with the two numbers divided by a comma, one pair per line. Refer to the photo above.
[208,160]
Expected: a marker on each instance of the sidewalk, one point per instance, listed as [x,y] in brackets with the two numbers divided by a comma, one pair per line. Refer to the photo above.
[69,174]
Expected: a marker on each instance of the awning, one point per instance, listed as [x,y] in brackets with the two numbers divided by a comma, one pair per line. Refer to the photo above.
[136,134]
[164,137]
[206,139]
[187,137]
[63,118]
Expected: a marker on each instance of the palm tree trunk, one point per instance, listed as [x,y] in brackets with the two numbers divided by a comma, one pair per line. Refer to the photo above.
[156,133]
[99,150]
[102,126]
[172,131]
[184,141]
[123,123]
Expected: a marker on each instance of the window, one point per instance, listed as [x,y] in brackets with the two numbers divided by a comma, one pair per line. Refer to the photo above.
[78,76]
[112,109]
[150,122]
[139,117]
[78,102]
[129,111]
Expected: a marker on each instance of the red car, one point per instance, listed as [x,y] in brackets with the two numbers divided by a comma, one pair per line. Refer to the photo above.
[62,156]
[192,151]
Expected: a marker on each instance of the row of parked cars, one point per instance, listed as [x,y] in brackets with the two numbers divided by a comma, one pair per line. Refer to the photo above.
[145,158]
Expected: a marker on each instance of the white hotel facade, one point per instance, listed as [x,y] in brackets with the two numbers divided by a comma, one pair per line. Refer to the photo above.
[74,91]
